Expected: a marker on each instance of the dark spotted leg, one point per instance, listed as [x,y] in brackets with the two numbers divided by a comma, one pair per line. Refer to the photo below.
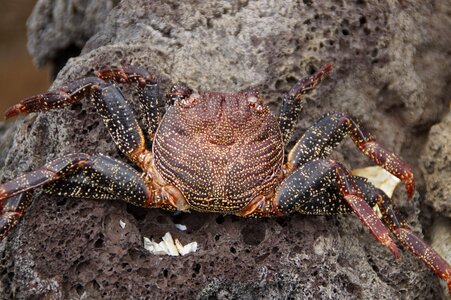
[11,210]
[111,106]
[322,187]
[64,96]
[292,101]
[320,139]
[148,92]
[15,195]
[48,173]
[404,233]
[82,176]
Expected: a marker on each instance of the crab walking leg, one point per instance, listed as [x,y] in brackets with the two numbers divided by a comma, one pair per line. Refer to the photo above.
[48,173]
[305,189]
[419,247]
[292,101]
[111,105]
[81,176]
[404,233]
[15,195]
[106,178]
[64,96]
[11,210]
[148,92]
[319,140]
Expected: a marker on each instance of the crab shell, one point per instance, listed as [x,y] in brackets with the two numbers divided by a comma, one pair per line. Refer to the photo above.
[220,150]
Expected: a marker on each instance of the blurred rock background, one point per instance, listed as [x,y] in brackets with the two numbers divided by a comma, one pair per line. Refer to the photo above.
[18,76]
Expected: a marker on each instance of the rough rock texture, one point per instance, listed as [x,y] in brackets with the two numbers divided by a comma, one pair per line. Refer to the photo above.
[58,29]
[441,238]
[392,70]
[436,165]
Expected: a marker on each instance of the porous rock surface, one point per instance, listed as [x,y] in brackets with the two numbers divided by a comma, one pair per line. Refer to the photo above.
[392,70]
[436,165]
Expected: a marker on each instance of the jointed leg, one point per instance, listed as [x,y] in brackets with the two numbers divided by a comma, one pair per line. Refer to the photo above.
[322,187]
[11,210]
[148,91]
[82,176]
[110,104]
[320,139]
[292,105]
[404,233]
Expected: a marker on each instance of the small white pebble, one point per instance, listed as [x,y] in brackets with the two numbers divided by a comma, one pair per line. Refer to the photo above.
[169,246]
[181,227]
[122,224]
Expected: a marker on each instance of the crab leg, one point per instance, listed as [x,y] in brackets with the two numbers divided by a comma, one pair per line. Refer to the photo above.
[321,187]
[405,234]
[292,101]
[81,176]
[48,173]
[319,140]
[11,210]
[148,91]
[15,195]
[112,107]
[297,193]
[64,96]
[148,94]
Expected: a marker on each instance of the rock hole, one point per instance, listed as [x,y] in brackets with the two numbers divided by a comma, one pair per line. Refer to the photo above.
[165,273]
[362,20]
[308,2]
[99,242]
[95,285]
[233,250]
[311,69]
[374,52]
[61,201]
[291,80]
[345,31]
[196,268]
[79,289]
[220,219]
[217,237]
[253,234]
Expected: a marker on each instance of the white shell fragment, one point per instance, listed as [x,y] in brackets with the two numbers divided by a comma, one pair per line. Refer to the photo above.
[169,246]
[181,227]
[379,177]
[122,224]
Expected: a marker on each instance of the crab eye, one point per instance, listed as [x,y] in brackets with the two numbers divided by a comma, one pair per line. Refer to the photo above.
[255,103]
[190,101]
[252,100]
[179,91]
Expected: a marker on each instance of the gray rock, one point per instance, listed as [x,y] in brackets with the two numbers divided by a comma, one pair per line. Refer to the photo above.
[60,28]
[436,166]
[392,67]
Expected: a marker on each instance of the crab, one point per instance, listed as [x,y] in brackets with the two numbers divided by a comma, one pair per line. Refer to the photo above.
[217,152]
